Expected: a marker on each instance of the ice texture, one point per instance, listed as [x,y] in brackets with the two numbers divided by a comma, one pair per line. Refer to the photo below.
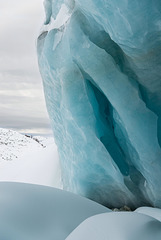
[101,68]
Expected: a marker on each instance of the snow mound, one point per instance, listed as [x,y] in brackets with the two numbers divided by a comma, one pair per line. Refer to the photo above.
[118,226]
[153,212]
[32,212]
[42,213]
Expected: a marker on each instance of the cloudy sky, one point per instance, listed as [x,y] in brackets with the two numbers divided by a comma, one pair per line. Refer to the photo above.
[22,104]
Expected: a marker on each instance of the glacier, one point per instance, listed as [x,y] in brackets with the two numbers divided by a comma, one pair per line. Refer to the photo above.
[101,68]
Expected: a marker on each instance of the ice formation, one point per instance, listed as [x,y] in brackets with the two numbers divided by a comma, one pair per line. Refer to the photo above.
[101,69]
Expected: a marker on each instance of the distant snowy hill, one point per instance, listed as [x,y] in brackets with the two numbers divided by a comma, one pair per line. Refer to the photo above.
[28,159]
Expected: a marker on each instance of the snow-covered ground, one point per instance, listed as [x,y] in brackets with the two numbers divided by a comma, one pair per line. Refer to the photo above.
[43,213]
[34,212]
[119,226]
[28,159]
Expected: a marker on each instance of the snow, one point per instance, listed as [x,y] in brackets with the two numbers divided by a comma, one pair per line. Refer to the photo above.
[62,17]
[102,86]
[153,212]
[30,160]
[118,226]
[33,212]
[36,212]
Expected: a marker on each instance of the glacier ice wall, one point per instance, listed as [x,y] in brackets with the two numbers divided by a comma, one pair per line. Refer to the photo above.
[101,68]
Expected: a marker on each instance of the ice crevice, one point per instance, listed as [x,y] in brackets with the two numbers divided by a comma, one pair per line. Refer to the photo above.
[104,126]
[102,87]
[105,131]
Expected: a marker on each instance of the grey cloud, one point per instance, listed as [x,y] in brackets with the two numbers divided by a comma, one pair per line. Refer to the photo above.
[22,104]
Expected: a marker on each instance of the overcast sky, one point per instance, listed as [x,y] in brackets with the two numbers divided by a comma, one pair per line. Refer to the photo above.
[22,104]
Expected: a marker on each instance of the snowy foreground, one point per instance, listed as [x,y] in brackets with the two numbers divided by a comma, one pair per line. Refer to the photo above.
[29,160]
[36,212]
[33,212]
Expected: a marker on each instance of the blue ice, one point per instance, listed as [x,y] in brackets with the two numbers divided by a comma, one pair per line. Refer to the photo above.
[101,68]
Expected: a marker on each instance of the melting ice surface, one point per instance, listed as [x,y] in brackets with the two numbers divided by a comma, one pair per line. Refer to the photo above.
[101,68]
